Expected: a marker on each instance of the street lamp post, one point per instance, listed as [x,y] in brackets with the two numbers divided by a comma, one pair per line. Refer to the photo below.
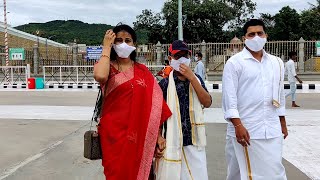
[37,32]
[180,28]
[47,48]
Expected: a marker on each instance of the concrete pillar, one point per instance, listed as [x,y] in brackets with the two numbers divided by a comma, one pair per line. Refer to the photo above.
[75,54]
[28,71]
[35,59]
[301,55]
[204,53]
[159,53]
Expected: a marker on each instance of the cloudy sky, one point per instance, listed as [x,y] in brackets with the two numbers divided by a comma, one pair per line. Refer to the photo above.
[109,11]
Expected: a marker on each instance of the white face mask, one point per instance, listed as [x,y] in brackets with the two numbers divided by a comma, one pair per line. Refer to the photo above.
[196,58]
[123,50]
[256,44]
[176,63]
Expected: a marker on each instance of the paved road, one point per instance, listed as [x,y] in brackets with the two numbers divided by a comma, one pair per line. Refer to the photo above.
[52,150]
[87,98]
[35,145]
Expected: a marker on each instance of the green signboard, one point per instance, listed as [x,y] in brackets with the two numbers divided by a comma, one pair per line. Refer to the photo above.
[318,48]
[16,54]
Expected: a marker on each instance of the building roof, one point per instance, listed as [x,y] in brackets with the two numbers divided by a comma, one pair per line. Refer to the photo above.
[21,34]
[235,40]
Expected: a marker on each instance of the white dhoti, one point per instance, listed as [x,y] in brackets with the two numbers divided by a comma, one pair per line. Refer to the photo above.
[262,160]
[194,164]
[183,162]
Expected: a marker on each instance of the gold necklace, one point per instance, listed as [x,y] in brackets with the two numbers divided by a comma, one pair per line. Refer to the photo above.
[120,70]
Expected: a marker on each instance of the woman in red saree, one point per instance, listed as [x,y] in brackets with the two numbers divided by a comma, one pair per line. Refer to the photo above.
[133,108]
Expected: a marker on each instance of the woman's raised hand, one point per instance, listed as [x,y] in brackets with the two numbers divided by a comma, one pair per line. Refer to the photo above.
[109,38]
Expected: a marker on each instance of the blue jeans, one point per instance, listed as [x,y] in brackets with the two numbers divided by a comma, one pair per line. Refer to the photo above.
[292,92]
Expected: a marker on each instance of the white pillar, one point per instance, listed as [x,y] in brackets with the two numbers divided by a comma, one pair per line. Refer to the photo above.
[159,53]
[204,53]
[301,55]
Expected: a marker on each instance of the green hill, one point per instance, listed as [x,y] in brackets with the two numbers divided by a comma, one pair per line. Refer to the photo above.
[68,31]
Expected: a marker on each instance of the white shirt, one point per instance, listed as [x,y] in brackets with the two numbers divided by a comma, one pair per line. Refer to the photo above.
[199,69]
[291,71]
[247,94]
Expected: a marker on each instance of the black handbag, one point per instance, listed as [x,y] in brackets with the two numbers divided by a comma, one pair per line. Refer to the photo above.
[92,146]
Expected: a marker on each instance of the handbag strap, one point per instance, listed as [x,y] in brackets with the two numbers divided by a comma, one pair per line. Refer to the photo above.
[96,108]
[98,105]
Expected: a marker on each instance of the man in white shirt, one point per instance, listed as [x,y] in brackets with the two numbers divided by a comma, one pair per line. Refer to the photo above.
[292,77]
[199,69]
[254,106]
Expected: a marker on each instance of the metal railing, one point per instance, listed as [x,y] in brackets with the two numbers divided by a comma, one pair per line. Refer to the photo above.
[79,74]
[155,69]
[16,75]
[215,55]
[68,74]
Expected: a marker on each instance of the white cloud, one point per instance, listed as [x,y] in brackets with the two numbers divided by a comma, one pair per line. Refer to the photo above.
[90,11]
[109,12]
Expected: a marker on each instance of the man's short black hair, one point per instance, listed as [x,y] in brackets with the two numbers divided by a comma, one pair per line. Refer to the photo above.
[253,22]
[199,54]
[292,53]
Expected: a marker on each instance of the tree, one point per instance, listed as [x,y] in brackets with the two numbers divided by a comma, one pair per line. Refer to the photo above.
[203,20]
[310,23]
[68,31]
[242,11]
[148,27]
[269,21]
[316,7]
[287,25]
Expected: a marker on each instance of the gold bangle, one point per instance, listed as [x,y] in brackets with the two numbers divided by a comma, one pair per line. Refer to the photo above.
[104,55]
[237,125]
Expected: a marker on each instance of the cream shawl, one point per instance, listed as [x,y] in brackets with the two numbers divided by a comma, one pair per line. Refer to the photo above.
[278,79]
[169,167]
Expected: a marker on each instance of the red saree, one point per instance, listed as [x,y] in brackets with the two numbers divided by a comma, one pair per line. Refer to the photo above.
[133,110]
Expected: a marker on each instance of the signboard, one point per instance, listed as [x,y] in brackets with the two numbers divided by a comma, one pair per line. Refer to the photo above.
[16,54]
[94,53]
[318,48]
